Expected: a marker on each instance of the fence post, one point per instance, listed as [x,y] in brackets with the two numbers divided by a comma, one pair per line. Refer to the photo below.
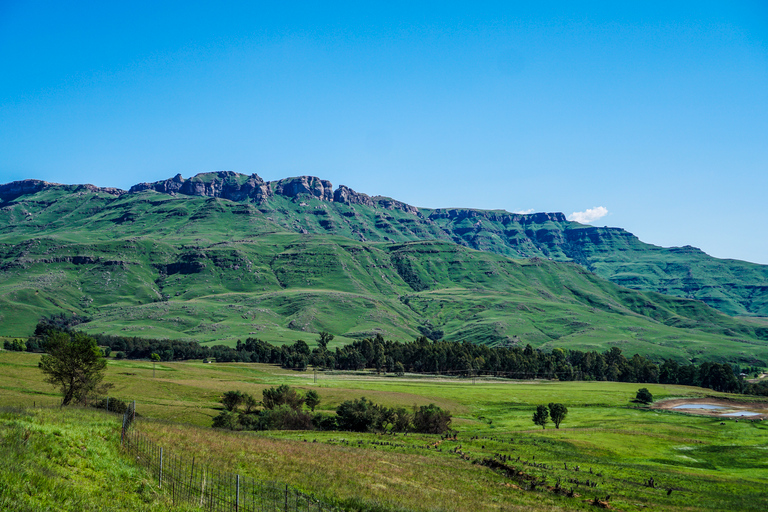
[286,497]
[160,478]
[237,494]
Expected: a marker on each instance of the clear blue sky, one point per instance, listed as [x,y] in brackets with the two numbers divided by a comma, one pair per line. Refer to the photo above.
[655,111]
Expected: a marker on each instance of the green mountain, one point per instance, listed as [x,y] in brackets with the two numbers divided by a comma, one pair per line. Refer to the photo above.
[224,256]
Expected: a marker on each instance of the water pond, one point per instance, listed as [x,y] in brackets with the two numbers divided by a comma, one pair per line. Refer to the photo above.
[698,406]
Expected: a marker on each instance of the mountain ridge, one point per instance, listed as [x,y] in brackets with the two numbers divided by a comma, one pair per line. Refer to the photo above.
[732,286]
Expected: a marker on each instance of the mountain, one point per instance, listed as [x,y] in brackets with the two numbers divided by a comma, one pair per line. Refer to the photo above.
[223,256]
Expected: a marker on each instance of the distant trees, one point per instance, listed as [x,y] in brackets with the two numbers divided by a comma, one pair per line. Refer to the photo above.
[15,345]
[557,412]
[541,416]
[426,355]
[74,363]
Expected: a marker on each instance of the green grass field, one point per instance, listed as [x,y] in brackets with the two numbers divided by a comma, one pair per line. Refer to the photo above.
[707,466]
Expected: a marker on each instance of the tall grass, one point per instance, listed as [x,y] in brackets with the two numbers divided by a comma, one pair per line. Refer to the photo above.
[69,460]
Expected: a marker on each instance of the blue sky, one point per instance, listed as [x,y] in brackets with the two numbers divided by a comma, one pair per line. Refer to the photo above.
[653,115]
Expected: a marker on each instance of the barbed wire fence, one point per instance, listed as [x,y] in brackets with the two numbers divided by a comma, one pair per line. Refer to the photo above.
[191,482]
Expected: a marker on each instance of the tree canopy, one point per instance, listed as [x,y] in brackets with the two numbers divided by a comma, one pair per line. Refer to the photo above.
[74,363]
[557,412]
[541,416]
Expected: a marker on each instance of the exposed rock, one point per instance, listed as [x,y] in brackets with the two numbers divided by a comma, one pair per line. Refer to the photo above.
[504,217]
[391,204]
[308,185]
[346,195]
[225,184]
[10,191]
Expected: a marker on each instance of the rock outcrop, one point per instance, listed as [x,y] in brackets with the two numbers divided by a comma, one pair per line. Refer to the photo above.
[392,204]
[346,195]
[225,184]
[306,185]
[10,191]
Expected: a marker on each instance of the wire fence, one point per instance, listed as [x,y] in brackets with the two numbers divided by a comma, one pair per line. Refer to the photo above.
[188,481]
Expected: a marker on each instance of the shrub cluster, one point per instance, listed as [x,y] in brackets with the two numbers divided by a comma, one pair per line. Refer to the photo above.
[283,408]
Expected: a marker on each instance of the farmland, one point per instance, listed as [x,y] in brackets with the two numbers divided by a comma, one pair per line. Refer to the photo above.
[705,464]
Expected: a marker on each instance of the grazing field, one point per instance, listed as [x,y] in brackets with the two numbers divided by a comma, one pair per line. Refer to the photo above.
[638,457]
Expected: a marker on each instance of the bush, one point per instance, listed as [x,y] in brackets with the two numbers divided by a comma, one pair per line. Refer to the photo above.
[226,419]
[431,419]
[284,417]
[644,396]
[360,415]
[282,395]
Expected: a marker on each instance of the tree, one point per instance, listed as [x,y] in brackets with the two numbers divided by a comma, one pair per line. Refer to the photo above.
[312,399]
[324,339]
[74,363]
[283,394]
[232,399]
[557,412]
[155,358]
[644,396]
[541,416]
[399,369]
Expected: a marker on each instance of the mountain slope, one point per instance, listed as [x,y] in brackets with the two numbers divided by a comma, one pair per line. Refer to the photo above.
[731,286]
[154,264]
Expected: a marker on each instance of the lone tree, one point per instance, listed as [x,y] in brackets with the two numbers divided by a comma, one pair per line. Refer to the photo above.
[541,416]
[74,363]
[644,396]
[557,412]
[312,399]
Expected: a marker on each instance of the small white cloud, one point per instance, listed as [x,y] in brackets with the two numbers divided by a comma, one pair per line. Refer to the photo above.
[590,215]
[524,212]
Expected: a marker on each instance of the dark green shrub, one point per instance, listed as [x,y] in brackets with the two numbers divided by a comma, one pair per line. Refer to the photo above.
[431,419]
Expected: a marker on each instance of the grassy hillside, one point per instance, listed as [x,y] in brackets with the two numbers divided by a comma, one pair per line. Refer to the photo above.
[213,270]
[69,460]
[708,465]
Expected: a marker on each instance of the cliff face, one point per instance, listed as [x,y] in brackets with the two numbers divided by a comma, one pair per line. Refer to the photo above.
[224,184]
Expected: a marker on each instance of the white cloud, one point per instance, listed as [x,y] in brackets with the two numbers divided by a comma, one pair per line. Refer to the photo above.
[590,215]
[524,212]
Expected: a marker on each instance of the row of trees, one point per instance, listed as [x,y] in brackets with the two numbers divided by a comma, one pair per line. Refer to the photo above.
[456,358]
[284,408]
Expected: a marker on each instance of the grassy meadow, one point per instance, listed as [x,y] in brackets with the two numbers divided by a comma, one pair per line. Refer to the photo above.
[614,443]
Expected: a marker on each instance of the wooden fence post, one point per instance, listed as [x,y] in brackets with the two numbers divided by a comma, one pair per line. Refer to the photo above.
[160,477]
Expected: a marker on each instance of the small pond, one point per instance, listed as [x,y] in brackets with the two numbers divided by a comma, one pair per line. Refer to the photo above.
[741,413]
[698,406]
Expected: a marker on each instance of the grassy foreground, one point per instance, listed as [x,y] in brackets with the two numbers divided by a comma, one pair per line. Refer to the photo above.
[69,460]
[617,447]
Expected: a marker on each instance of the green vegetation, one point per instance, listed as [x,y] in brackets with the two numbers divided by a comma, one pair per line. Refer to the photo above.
[70,460]
[215,271]
[619,447]
[541,416]
[73,362]
[557,412]
[644,396]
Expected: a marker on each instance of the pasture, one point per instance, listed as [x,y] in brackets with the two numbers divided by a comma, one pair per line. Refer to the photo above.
[607,447]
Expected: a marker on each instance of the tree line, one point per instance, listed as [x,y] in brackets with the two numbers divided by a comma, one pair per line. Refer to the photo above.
[439,357]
